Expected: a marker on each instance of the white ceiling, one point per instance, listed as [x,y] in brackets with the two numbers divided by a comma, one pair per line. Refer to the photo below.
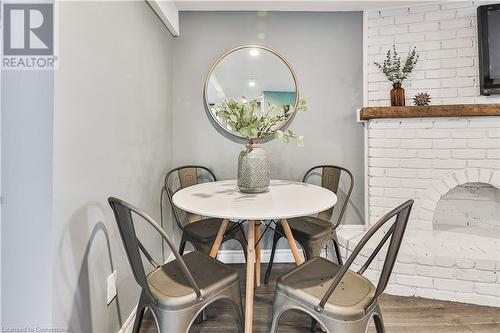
[168,10]
[287,5]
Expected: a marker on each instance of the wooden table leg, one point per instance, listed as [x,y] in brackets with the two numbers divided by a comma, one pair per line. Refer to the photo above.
[250,277]
[257,256]
[219,238]
[291,241]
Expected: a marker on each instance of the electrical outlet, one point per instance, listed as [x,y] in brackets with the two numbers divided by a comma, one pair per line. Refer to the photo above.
[111,287]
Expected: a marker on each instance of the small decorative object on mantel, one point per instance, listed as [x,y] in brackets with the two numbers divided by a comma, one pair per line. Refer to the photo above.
[247,119]
[422,99]
[396,73]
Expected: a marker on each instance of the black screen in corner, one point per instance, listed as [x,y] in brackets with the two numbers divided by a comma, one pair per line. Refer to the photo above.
[494,43]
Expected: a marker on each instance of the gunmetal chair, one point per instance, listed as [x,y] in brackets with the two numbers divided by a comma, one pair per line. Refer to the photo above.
[175,292]
[313,232]
[340,299]
[200,232]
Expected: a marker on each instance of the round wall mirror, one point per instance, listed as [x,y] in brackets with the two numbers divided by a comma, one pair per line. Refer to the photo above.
[251,73]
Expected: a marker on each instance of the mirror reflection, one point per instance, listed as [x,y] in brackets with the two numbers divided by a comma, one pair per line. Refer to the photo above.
[251,74]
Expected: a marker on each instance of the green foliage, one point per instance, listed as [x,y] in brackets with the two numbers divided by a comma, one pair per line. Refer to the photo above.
[391,66]
[244,118]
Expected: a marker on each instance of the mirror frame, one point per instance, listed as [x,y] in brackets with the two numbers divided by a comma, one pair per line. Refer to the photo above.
[233,136]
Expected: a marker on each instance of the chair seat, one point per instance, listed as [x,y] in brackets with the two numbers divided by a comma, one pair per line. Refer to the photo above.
[169,285]
[308,228]
[205,231]
[307,284]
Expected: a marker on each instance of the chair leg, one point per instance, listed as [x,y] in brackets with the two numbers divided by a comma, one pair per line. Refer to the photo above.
[182,246]
[234,294]
[334,325]
[378,320]
[139,314]
[175,321]
[240,315]
[201,317]
[276,316]
[312,250]
[314,323]
[337,249]
[379,326]
[276,238]
[274,323]
[243,246]
[281,304]
[314,326]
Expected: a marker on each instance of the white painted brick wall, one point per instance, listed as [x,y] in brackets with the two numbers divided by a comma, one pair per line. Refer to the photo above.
[434,272]
[429,160]
[417,158]
[424,159]
[445,35]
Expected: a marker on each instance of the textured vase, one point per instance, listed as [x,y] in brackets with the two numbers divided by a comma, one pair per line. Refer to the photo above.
[254,170]
[397,95]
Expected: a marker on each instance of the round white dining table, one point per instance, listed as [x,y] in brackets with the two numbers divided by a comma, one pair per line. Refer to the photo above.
[285,199]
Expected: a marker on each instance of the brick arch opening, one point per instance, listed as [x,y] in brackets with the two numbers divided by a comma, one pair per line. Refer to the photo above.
[426,206]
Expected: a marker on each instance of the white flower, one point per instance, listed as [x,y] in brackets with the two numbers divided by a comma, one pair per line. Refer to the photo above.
[300,141]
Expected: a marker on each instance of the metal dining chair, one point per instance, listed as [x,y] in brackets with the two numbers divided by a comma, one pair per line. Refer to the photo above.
[338,298]
[312,232]
[200,232]
[175,292]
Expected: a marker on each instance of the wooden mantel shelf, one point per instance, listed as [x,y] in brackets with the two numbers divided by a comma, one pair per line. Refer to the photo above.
[459,110]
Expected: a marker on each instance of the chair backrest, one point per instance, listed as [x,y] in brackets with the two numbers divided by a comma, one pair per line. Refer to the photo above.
[133,247]
[396,233]
[400,216]
[331,176]
[182,177]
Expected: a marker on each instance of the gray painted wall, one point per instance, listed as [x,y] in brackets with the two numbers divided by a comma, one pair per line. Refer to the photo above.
[112,136]
[27,104]
[111,133]
[325,50]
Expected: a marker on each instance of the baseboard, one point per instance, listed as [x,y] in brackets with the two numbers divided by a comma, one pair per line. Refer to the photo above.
[128,325]
[237,257]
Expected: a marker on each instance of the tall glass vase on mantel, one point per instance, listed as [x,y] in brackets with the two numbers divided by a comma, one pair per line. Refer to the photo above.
[254,169]
[397,72]
[397,95]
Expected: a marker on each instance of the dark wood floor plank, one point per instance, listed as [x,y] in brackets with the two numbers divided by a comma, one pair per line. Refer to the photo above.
[401,314]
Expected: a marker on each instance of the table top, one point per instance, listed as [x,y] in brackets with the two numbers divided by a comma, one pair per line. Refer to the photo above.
[285,199]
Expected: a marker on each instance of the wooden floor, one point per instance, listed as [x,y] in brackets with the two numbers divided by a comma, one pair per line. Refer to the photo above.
[401,314]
